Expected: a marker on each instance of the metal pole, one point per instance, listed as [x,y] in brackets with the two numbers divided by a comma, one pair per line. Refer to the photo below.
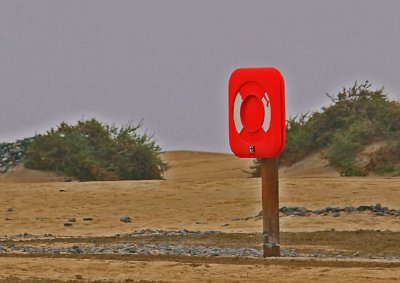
[270,206]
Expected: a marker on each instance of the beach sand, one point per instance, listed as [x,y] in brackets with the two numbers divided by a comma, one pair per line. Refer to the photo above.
[202,191]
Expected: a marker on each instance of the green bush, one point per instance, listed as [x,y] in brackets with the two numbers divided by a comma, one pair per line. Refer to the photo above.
[343,152]
[93,151]
[356,117]
[299,141]
[386,160]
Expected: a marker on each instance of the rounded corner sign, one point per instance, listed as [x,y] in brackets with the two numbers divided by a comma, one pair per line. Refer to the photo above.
[257,118]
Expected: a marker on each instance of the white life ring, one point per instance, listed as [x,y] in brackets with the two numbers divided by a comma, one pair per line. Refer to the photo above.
[237,117]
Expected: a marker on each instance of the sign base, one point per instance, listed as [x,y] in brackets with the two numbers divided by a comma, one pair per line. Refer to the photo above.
[270,250]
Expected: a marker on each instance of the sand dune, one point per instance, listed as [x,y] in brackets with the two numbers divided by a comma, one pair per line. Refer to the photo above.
[194,165]
[311,166]
[19,174]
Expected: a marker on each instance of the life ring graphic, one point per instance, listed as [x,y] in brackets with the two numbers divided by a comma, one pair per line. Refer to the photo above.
[239,116]
[251,111]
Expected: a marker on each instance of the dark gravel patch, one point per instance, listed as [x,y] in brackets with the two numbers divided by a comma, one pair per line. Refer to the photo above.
[376,210]
[382,245]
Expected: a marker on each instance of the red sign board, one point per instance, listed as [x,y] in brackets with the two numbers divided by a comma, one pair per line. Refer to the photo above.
[257,119]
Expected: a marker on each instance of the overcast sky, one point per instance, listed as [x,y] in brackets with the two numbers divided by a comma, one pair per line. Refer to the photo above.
[168,62]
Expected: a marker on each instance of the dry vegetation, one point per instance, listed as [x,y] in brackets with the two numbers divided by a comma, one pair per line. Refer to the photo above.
[359,119]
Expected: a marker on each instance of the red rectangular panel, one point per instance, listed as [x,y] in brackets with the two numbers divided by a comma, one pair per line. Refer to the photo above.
[257,119]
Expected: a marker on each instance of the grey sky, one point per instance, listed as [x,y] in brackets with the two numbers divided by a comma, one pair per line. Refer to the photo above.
[168,62]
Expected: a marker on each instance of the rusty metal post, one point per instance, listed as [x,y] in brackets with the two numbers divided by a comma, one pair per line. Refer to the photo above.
[270,206]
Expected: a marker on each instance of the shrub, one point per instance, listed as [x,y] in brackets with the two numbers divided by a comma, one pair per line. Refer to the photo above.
[386,160]
[299,140]
[343,151]
[93,151]
[357,116]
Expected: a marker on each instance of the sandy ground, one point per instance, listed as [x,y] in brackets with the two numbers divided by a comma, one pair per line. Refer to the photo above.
[169,271]
[202,191]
